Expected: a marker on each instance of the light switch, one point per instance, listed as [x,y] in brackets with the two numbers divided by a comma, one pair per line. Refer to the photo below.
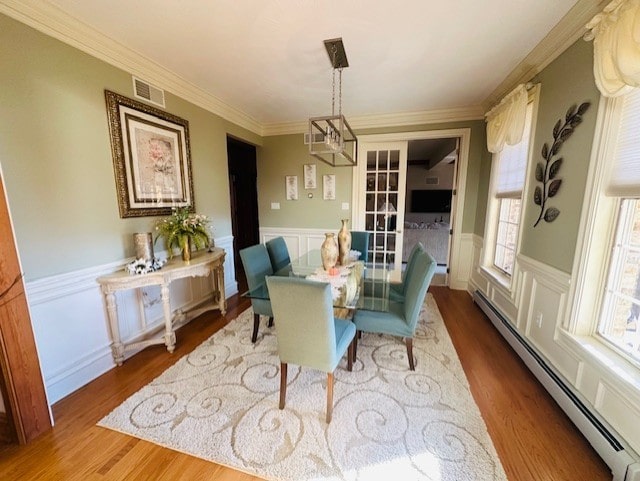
[275,205]
[345,206]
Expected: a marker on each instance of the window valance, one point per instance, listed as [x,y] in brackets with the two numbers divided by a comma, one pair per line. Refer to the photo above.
[616,45]
[505,122]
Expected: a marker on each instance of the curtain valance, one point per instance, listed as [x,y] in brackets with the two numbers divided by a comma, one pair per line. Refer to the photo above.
[505,122]
[616,45]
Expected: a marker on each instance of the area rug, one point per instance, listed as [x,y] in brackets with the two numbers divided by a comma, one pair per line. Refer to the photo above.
[220,403]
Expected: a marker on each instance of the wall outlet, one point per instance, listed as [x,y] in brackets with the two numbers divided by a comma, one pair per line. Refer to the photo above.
[275,205]
[345,206]
[539,319]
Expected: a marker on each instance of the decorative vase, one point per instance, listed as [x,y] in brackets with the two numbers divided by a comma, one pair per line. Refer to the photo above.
[186,252]
[143,243]
[329,251]
[344,243]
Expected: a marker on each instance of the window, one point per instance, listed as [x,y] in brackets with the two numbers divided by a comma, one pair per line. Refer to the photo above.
[508,184]
[508,221]
[620,310]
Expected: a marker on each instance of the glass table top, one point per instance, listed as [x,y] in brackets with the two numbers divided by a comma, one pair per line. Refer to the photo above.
[357,285]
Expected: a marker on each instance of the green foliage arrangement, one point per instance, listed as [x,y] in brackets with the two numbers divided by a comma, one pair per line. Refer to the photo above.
[547,173]
[184,228]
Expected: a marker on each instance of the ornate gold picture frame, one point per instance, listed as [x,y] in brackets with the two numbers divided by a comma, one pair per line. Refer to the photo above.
[151,158]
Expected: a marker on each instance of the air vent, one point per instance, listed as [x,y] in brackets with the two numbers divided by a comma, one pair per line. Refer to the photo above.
[317,138]
[432,180]
[145,91]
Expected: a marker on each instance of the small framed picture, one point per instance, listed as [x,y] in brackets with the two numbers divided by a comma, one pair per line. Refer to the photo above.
[291,186]
[329,187]
[310,176]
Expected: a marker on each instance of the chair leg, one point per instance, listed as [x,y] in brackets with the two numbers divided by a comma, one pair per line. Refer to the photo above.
[409,342]
[270,322]
[256,325]
[329,396]
[283,384]
[355,345]
[350,356]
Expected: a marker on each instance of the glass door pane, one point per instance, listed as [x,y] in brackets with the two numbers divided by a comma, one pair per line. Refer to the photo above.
[383,200]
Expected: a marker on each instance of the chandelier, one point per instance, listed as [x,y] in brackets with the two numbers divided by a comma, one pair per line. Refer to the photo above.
[330,138]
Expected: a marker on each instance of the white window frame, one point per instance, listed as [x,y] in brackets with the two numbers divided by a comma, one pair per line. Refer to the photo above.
[596,237]
[503,280]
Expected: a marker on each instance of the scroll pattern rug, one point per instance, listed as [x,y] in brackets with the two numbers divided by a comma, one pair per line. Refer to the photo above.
[220,403]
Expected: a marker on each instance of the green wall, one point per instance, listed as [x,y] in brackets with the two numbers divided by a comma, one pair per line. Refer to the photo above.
[286,154]
[566,81]
[56,157]
[283,155]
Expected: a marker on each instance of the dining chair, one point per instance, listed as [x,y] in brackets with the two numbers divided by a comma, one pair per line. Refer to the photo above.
[307,332]
[278,253]
[360,243]
[257,266]
[398,290]
[402,317]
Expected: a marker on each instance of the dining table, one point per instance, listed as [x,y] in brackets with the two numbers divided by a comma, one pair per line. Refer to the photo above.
[354,286]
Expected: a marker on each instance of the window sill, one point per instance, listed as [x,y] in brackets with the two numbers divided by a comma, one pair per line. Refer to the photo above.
[594,351]
[497,277]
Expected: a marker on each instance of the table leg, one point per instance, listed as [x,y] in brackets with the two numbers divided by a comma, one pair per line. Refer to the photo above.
[169,335]
[117,348]
[218,285]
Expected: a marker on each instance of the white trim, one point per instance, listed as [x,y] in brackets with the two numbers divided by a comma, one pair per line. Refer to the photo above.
[569,29]
[52,21]
[400,119]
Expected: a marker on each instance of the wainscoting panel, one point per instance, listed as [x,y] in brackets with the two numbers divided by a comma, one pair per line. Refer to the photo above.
[70,322]
[600,396]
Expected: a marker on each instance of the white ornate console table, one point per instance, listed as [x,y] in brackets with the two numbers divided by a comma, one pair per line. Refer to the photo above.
[202,264]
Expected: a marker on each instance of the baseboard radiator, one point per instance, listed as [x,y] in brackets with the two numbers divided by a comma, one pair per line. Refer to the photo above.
[621,460]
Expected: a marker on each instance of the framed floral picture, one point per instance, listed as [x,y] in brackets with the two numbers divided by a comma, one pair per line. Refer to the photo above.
[329,187]
[291,186]
[310,176]
[151,158]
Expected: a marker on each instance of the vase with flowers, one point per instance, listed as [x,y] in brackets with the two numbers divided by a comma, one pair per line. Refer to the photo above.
[184,230]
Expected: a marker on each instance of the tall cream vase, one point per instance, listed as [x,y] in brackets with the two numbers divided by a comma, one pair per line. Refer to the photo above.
[344,242]
[329,251]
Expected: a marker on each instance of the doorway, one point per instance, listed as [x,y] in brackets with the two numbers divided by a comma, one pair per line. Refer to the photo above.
[455,262]
[243,191]
[431,170]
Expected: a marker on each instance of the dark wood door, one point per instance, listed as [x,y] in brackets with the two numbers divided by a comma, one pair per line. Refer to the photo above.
[243,175]
[21,380]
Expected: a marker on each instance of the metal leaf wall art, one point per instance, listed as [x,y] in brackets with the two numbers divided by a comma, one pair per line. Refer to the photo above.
[547,173]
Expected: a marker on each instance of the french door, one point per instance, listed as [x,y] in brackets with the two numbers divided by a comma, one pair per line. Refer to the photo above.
[379,209]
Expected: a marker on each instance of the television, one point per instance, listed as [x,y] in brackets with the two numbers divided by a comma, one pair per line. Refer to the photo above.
[431,201]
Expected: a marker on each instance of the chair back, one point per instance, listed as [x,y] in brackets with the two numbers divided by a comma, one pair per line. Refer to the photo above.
[411,261]
[256,263]
[278,253]
[417,282]
[305,326]
[360,242]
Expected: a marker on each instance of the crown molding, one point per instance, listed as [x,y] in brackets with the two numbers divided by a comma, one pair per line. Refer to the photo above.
[52,21]
[458,114]
[569,29]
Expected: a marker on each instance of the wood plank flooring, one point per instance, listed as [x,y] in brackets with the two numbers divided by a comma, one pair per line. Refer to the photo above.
[533,437]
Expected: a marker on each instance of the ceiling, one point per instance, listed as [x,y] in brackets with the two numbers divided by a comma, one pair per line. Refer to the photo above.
[266,58]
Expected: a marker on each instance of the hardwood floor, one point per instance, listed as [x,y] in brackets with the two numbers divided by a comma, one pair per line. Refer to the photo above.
[533,437]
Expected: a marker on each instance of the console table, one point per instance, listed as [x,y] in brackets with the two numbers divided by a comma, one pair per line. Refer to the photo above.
[202,264]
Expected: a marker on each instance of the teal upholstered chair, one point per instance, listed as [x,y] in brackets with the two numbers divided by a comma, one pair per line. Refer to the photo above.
[308,333]
[360,243]
[278,253]
[257,266]
[402,317]
[398,291]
